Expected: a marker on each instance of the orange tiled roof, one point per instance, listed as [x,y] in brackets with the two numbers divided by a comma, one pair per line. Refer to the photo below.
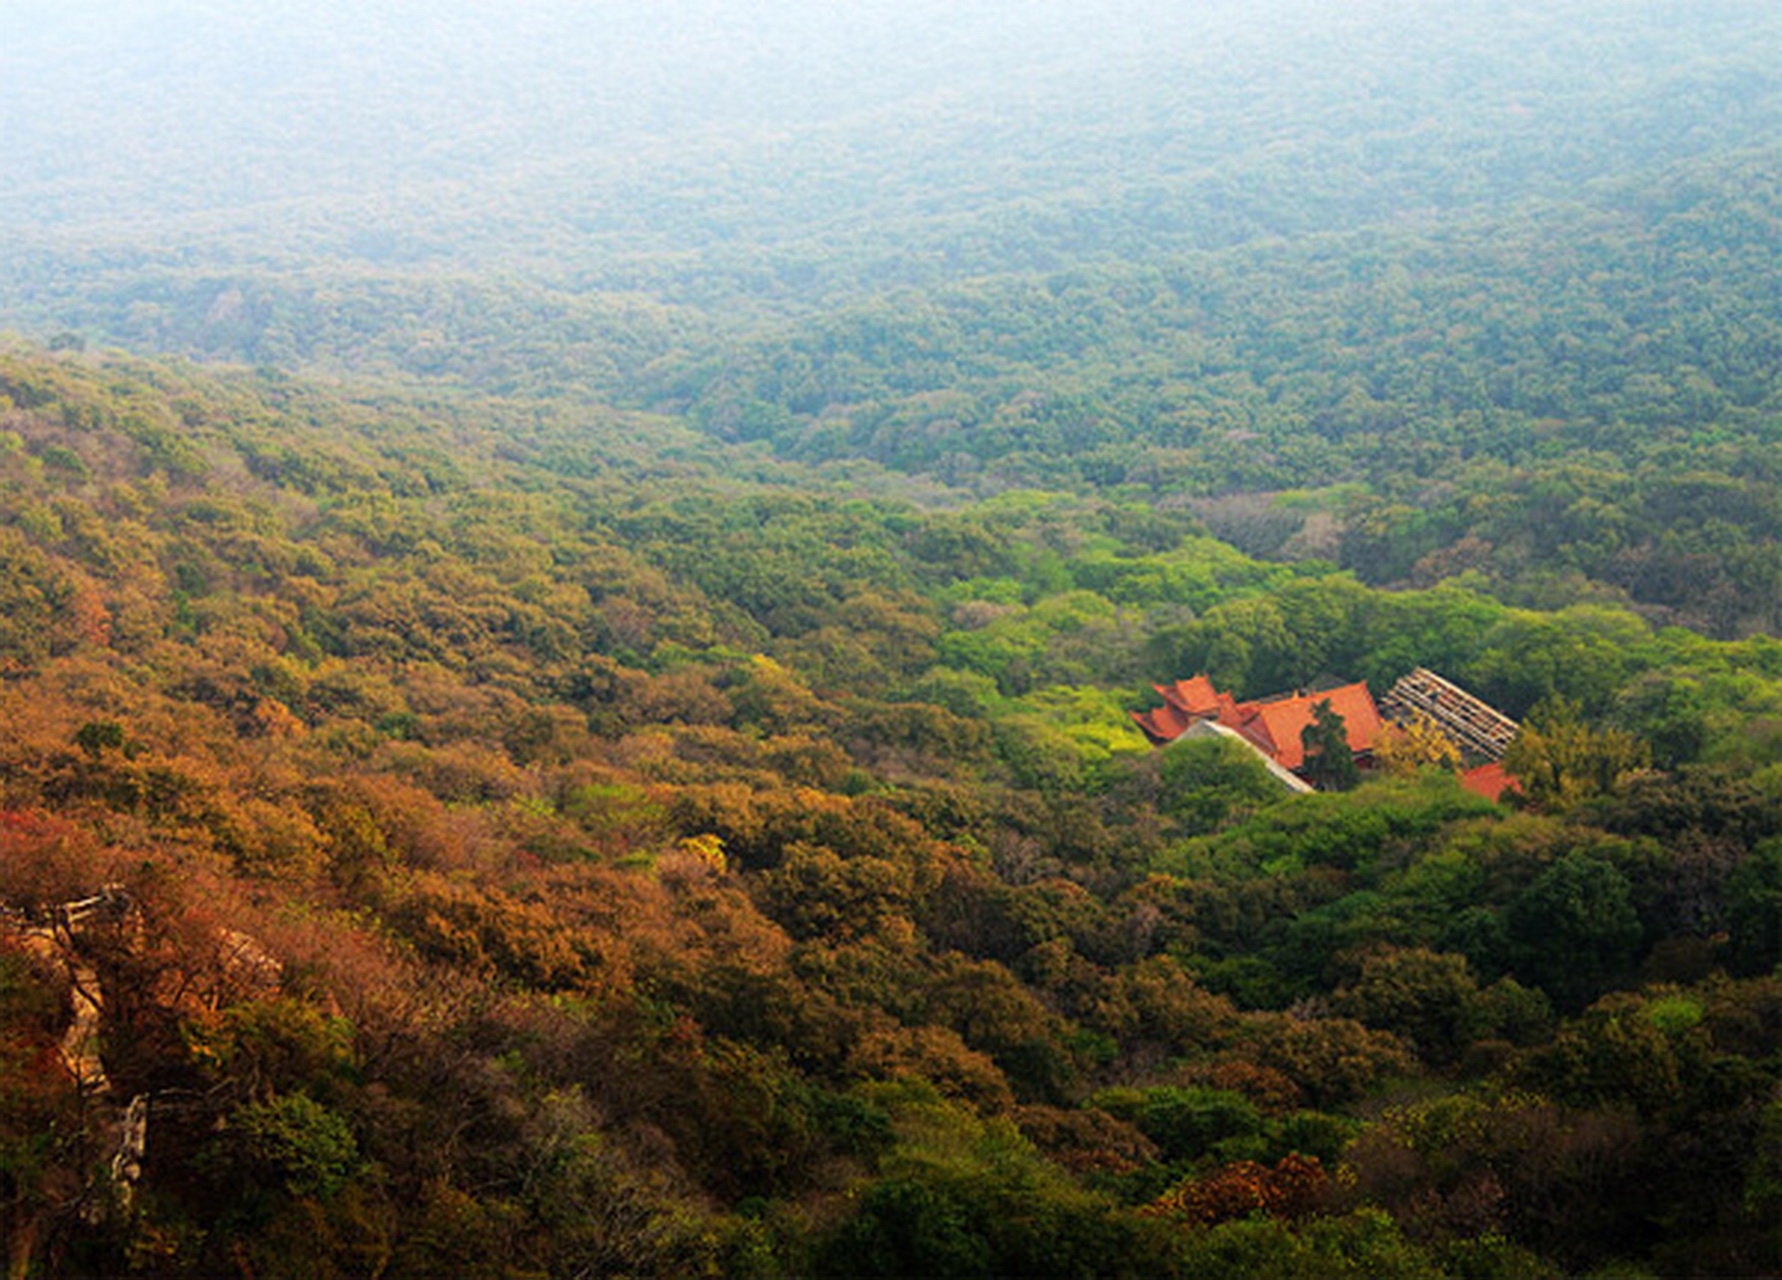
[1276,725]
[1163,724]
[1273,724]
[1195,695]
[1488,780]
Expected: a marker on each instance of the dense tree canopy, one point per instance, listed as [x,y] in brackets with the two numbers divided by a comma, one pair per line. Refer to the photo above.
[622,865]
[596,737]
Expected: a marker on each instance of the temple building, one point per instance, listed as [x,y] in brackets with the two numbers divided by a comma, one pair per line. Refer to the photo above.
[1273,726]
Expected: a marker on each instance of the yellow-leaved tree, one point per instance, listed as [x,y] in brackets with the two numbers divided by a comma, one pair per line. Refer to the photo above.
[1560,760]
[1415,744]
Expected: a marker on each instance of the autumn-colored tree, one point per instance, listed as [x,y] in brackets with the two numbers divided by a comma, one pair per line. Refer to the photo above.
[1334,1060]
[1291,1188]
[45,1142]
[1515,1163]
[1560,760]
[1414,744]
[549,856]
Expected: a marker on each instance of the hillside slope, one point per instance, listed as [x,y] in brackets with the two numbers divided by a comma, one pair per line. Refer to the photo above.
[538,856]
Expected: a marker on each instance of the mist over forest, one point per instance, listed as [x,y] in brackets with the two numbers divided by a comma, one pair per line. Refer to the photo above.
[810,148]
[585,592]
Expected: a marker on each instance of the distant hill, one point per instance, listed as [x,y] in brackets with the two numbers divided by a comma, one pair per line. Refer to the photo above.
[344,162]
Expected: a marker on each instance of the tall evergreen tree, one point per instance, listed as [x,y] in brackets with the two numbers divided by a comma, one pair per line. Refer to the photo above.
[1330,765]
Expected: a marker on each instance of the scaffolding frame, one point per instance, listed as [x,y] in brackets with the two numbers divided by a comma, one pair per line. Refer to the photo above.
[1476,727]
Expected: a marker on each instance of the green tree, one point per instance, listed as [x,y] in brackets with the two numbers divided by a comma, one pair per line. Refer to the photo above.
[1428,997]
[1754,909]
[1206,782]
[292,1143]
[1574,930]
[1329,763]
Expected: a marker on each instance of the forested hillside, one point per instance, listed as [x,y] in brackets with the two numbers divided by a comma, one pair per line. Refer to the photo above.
[574,581]
[1421,292]
[648,871]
